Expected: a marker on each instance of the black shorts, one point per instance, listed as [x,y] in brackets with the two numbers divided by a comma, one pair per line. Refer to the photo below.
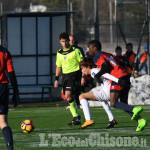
[70,80]
[4,96]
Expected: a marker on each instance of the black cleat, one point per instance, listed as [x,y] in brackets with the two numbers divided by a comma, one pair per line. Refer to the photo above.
[112,123]
[75,121]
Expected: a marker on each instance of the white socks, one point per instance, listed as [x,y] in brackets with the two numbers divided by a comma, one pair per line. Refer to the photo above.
[86,109]
[108,110]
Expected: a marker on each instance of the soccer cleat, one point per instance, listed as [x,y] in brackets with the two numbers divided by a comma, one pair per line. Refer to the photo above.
[75,121]
[141,124]
[112,123]
[87,123]
[136,111]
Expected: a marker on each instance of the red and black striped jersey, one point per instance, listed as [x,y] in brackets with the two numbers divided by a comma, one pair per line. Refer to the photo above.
[113,62]
[5,64]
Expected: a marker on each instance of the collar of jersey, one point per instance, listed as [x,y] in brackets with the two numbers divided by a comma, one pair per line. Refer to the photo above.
[97,56]
[68,48]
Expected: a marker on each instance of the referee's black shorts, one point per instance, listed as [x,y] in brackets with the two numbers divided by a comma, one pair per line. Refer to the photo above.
[4,95]
[70,80]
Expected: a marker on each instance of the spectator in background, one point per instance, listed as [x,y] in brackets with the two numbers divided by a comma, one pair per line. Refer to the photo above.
[74,42]
[130,55]
[143,62]
[7,66]
[118,51]
[88,79]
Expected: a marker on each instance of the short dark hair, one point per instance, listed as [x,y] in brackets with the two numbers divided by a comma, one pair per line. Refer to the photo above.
[87,62]
[129,44]
[118,48]
[96,44]
[64,35]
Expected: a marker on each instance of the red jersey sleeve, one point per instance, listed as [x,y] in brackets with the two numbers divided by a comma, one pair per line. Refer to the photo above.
[9,62]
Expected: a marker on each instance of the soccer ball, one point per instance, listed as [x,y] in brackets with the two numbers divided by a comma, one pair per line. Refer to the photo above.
[27,126]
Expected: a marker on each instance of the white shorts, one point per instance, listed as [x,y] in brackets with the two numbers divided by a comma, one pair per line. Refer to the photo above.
[102,93]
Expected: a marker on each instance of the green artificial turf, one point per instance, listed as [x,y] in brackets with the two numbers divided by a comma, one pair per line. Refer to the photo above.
[51,131]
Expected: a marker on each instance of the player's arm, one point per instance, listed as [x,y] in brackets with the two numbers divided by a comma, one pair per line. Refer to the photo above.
[110,77]
[104,69]
[58,70]
[123,83]
[94,71]
[83,79]
[13,80]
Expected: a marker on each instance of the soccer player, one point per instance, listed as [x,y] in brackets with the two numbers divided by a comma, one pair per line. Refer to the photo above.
[6,65]
[68,60]
[112,65]
[101,93]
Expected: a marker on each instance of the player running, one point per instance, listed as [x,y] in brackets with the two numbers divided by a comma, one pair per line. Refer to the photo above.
[100,93]
[112,65]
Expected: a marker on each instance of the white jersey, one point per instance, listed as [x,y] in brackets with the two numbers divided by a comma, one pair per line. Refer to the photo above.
[102,92]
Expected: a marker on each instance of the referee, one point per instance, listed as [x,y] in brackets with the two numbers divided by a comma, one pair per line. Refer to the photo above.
[68,61]
[6,66]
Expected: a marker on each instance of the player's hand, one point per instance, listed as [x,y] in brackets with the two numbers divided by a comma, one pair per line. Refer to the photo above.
[82,81]
[15,99]
[56,83]
[124,83]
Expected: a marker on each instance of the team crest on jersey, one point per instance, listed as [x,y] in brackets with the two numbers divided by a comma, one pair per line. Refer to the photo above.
[93,73]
